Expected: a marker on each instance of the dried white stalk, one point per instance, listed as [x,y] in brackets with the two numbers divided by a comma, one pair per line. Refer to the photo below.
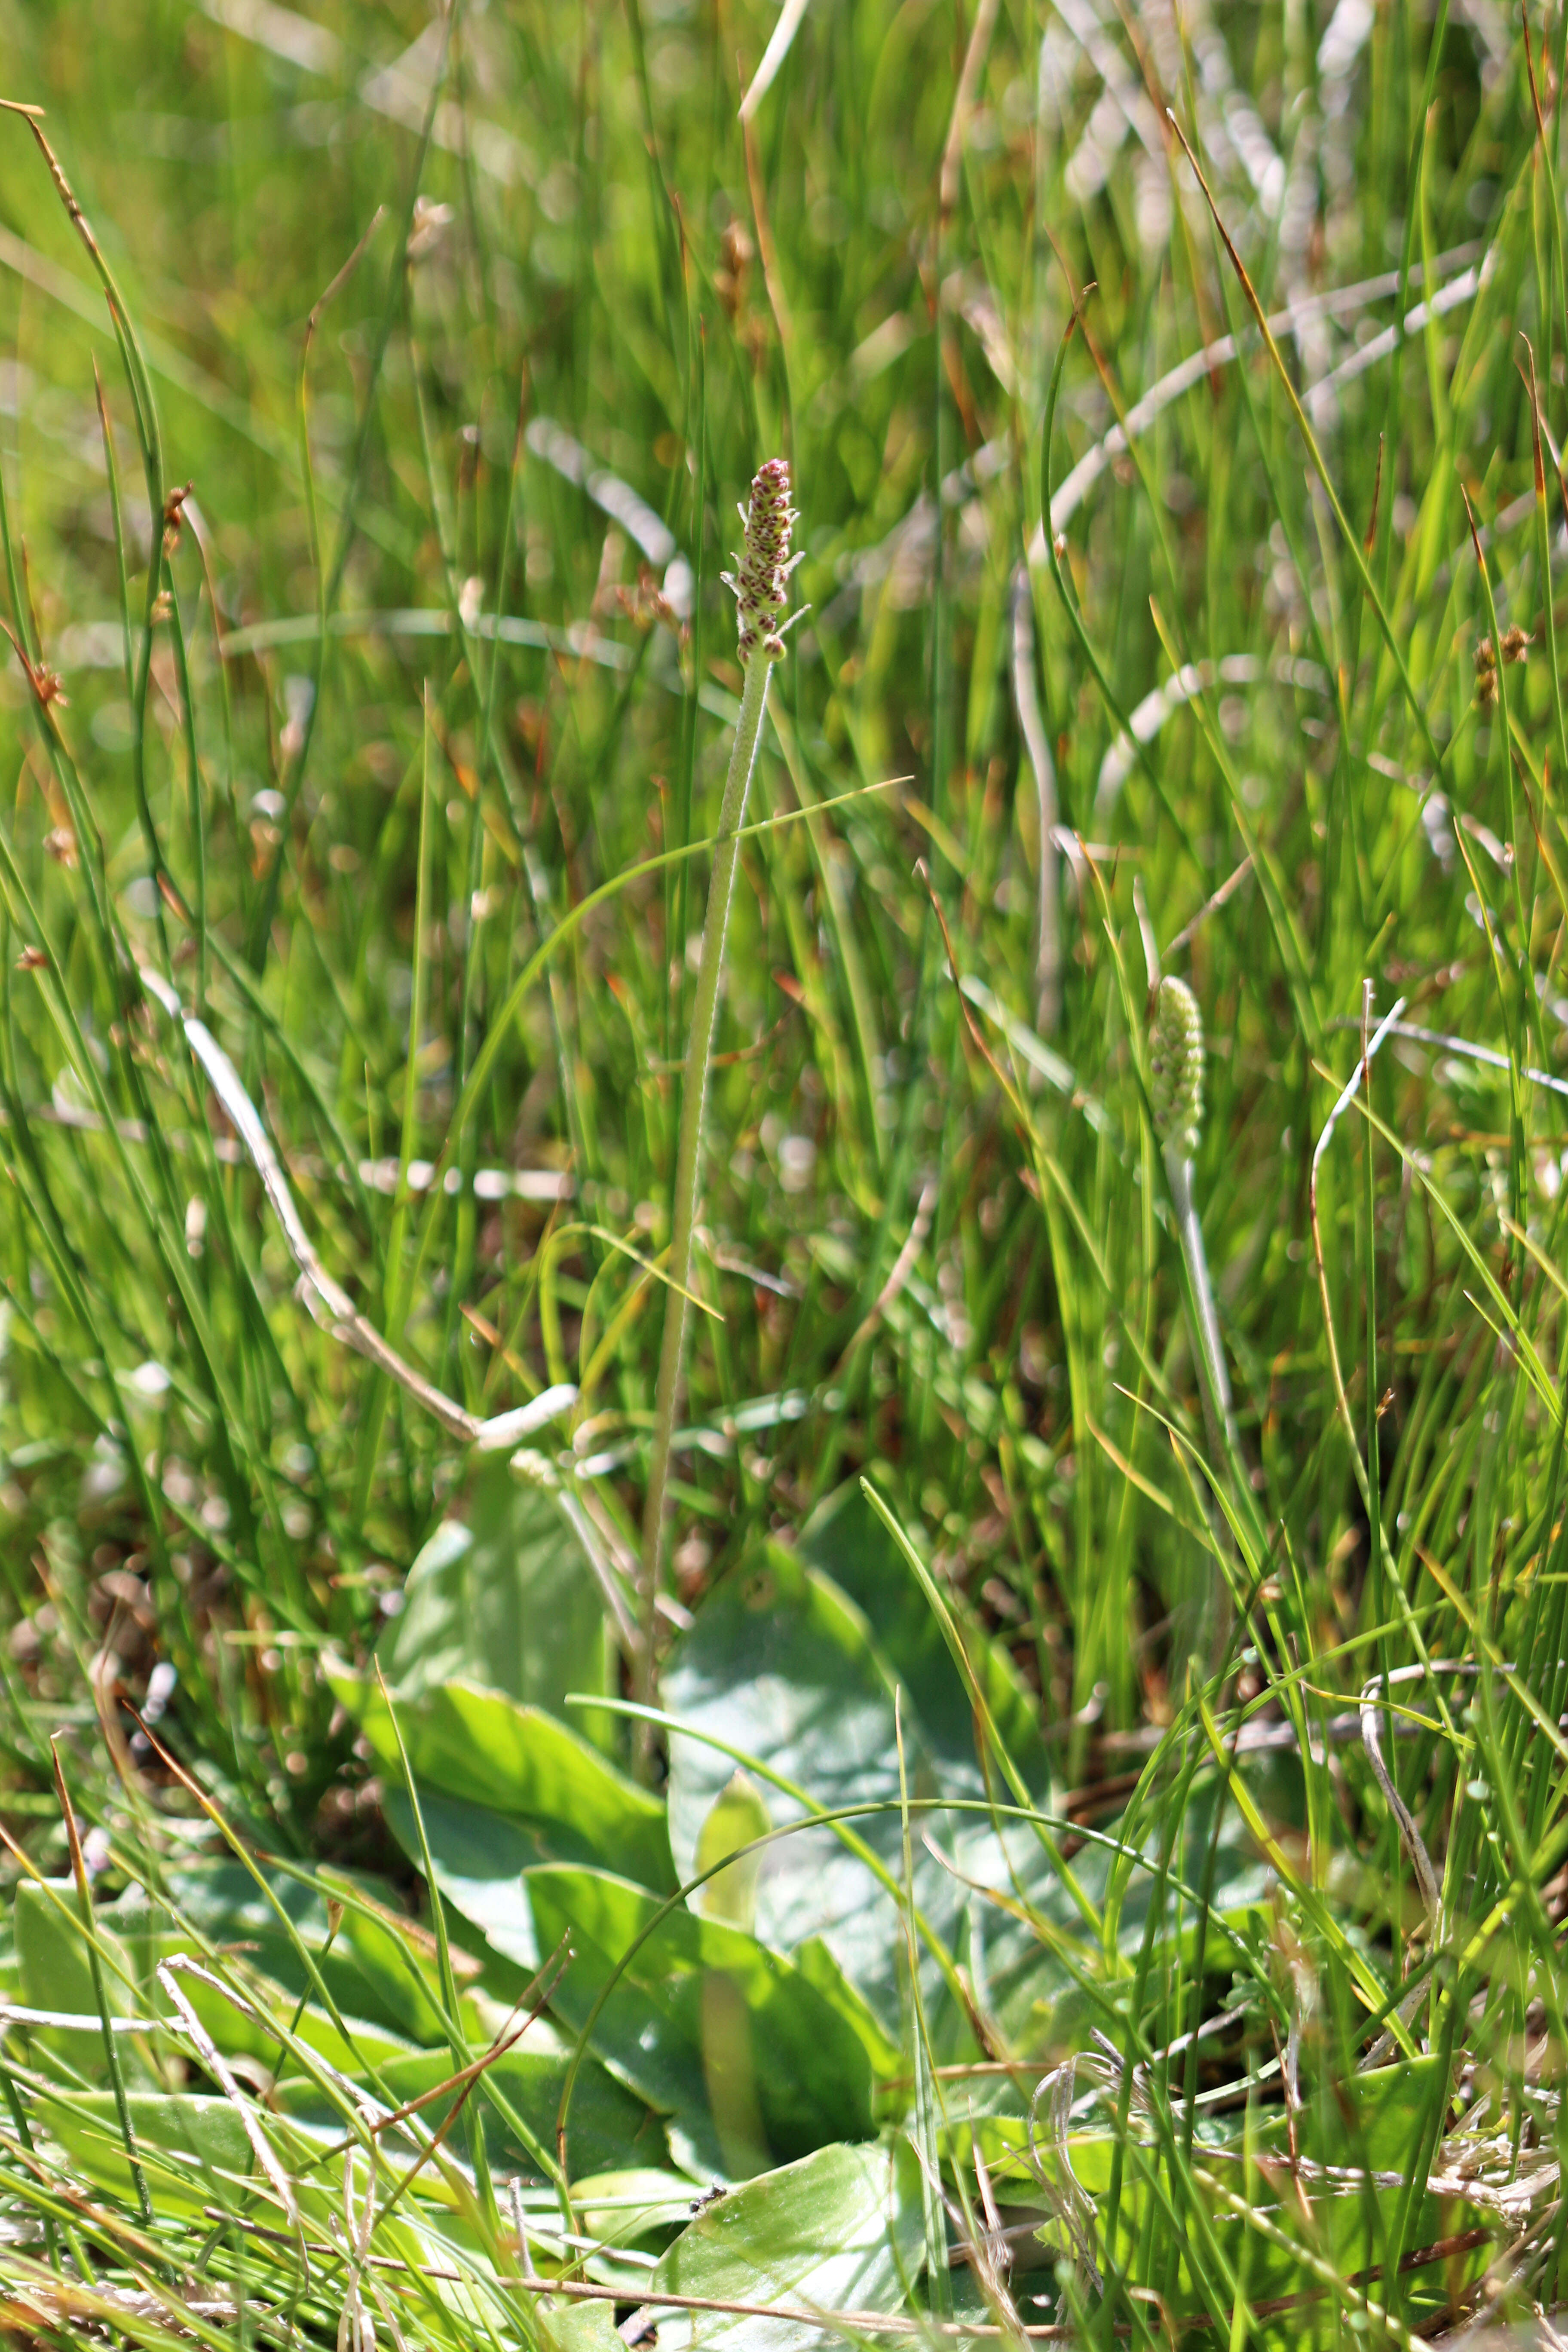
[327,1300]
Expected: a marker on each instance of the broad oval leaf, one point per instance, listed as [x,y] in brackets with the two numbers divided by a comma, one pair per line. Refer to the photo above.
[610,2126]
[508,1599]
[192,2148]
[53,1973]
[781,1666]
[482,1746]
[846,1539]
[737,1818]
[840,2232]
[707,2023]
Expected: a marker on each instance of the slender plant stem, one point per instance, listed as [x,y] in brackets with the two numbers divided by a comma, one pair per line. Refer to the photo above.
[689,1155]
[1212,1621]
[1215,1380]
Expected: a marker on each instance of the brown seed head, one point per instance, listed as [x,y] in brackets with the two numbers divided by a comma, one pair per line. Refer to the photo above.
[174,518]
[761,583]
[1485,658]
[736,247]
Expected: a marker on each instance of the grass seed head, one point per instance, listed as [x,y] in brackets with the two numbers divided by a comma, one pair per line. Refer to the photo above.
[761,583]
[730,282]
[174,518]
[1486,673]
[1176,1067]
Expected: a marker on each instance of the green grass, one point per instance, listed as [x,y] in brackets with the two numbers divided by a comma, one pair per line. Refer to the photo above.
[1012,1905]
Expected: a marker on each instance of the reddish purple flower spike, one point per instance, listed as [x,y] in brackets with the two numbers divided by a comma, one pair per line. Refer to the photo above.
[761,583]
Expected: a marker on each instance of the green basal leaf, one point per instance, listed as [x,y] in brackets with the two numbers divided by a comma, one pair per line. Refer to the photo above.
[838,2231]
[53,1973]
[194,2148]
[480,1747]
[506,1599]
[846,1539]
[782,1666]
[610,2124]
[738,1816]
[710,2026]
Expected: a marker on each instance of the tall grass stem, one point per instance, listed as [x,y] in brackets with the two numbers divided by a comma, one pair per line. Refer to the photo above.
[689,1153]
[1216,1379]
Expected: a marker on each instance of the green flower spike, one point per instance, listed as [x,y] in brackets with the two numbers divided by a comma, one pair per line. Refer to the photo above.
[1176,1090]
[1176,1067]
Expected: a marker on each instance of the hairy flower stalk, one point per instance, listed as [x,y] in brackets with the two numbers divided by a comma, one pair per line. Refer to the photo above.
[761,586]
[1176,1087]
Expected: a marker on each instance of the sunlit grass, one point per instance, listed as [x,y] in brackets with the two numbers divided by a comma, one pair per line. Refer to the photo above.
[362,804]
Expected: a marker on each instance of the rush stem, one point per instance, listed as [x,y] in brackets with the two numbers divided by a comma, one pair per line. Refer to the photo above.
[688,1156]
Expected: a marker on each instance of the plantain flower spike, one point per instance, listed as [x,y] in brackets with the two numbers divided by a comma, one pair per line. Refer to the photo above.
[1176,1067]
[760,583]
